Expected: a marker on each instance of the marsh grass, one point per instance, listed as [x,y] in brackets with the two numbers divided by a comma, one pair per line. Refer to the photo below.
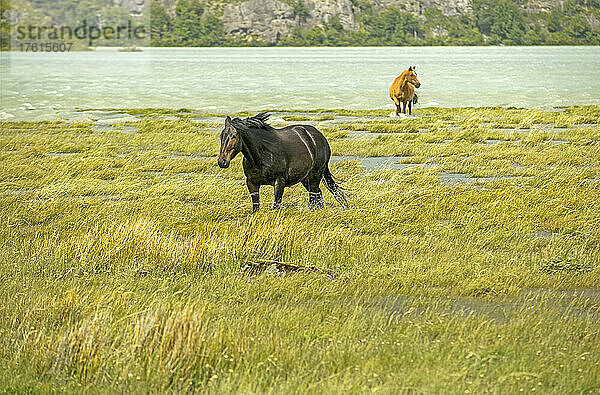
[307,118]
[120,262]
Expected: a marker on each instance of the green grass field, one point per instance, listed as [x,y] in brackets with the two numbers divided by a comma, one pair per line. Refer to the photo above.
[473,268]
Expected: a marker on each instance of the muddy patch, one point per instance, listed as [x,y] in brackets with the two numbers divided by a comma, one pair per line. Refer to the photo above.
[164,117]
[60,154]
[101,196]
[342,119]
[510,130]
[108,117]
[196,155]
[151,173]
[443,142]
[568,304]
[17,192]
[220,120]
[364,135]
[493,142]
[381,162]
[542,234]
[447,178]
[13,131]
[114,128]
[185,174]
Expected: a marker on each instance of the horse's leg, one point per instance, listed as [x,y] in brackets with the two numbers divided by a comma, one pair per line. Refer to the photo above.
[397,109]
[403,107]
[278,189]
[254,194]
[311,183]
[410,107]
[316,196]
[306,184]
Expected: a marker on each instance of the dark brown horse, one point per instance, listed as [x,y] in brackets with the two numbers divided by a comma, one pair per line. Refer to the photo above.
[402,90]
[279,157]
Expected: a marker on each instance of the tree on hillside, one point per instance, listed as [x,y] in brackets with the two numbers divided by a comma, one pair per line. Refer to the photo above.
[392,27]
[211,31]
[161,26]
[195,27]
[186,29]
[501,20]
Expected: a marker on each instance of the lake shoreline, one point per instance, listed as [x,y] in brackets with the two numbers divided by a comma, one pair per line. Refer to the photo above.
[227,80]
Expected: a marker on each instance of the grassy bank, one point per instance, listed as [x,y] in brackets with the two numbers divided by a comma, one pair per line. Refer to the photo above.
[122,247]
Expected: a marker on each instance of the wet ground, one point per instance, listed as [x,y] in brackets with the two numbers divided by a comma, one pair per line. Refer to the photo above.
[573,303]
[381,162]
[116,122]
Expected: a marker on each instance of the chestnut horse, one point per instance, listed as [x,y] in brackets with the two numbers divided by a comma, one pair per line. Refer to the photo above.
[402,90]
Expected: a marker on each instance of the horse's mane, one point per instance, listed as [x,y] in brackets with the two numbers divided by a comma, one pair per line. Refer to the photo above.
[404,75]
[258,133]
[259,121]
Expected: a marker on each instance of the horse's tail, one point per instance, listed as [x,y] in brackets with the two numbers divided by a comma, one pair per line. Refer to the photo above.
[337,191]
[415,99]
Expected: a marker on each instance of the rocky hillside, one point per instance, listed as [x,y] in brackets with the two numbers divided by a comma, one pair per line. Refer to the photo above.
[331,22]
[272,19]
[396,22]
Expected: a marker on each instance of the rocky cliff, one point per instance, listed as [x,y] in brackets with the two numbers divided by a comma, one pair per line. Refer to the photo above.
[269,21]
[272,19]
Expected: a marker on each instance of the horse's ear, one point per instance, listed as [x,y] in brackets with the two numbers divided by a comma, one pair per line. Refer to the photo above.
[414,67]
[410,68]
[227,120]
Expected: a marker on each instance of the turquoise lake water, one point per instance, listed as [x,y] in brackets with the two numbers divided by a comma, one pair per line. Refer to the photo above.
[51,85]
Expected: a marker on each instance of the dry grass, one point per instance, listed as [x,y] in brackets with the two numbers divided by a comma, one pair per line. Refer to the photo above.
[120,262]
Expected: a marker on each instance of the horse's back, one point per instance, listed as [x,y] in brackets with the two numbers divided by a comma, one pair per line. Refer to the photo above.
[306,140]
[300,130]
[315,133]
[398,94]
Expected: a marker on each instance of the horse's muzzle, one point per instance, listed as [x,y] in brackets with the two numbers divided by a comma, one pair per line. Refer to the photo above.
[223,164]
[417,85]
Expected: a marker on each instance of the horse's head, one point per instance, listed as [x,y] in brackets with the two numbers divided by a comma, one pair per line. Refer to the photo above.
[411,76]
[231,144]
